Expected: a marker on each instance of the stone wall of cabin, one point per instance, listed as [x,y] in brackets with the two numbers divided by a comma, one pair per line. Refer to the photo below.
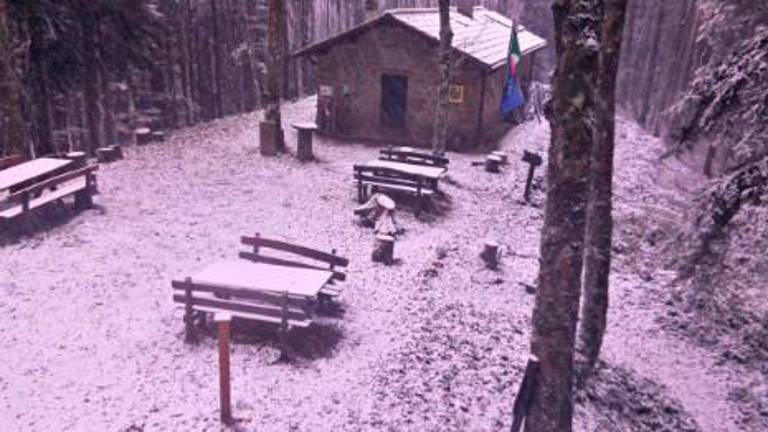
[353,68]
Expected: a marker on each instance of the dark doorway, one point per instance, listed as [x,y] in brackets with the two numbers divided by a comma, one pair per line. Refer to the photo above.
[394,94]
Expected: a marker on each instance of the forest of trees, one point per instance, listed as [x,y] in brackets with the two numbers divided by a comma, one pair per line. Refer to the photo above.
[80,74]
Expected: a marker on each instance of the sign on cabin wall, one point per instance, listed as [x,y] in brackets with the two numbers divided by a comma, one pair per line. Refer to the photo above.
[326,90]
[456,94]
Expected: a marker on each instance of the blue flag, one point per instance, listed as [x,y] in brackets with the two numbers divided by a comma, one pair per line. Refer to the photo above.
[513,94]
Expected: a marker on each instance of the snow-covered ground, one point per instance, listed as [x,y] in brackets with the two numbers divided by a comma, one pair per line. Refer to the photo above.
[91,341]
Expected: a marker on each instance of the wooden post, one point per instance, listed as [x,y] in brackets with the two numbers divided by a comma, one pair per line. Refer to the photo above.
[525,395]
[223,321]
[384,249]
[534,161]
[190,336]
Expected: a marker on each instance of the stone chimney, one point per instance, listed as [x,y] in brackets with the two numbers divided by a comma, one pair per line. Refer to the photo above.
[466,7]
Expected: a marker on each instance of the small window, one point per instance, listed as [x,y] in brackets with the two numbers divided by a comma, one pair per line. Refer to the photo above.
[456,94]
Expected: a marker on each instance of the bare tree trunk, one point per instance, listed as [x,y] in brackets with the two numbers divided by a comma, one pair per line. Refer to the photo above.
[89,23]
[186,92]
[597,262]
[441,112]
[556,306]
[13,139]
[275,69]
[38,79]
[217,78]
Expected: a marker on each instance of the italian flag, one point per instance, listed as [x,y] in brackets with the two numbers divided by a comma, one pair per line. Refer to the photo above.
[513,94]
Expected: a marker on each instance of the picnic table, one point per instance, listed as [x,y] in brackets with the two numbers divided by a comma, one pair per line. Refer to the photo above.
[433,173]
[281,290]
[24,174]
[246,275]
[401,169]
[36,183]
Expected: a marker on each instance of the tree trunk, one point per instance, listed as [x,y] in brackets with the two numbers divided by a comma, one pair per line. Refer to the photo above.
[275,70]
[13,139]
[186,79]
[597,263]
[441,111]
[40,99]
[217,78]
[89,24]
[556,306]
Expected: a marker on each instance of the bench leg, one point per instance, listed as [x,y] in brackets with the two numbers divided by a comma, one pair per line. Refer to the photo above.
[83,200]
[190,335]
[360,192]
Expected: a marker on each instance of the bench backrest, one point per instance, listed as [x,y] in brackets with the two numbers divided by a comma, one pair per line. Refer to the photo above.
[271,306]
[413,157]
[317,259]
[23,195]
[12,160]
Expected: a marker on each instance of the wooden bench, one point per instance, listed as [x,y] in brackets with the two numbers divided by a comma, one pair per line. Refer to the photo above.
[371,179]
[275,304]
[12,160]
[80,182]
[270,307]
[302,257]
[413,156]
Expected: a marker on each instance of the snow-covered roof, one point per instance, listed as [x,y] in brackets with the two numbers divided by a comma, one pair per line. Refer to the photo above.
[484,37]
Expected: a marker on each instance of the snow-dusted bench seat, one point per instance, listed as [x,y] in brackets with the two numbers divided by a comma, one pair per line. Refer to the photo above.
[81,183]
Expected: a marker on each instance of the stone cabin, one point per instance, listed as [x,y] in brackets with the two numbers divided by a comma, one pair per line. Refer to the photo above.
[378,81]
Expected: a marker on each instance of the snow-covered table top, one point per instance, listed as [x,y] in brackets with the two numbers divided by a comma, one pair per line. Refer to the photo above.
[430,172]
[242,274]
[29,171]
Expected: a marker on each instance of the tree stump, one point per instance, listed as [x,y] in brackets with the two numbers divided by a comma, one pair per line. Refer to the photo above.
[502,156]
[158,136]
[109,154]
[491,254]
[270,138]
[304,142]
[143,135]
[78,159]
[492,163]
[384,249]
